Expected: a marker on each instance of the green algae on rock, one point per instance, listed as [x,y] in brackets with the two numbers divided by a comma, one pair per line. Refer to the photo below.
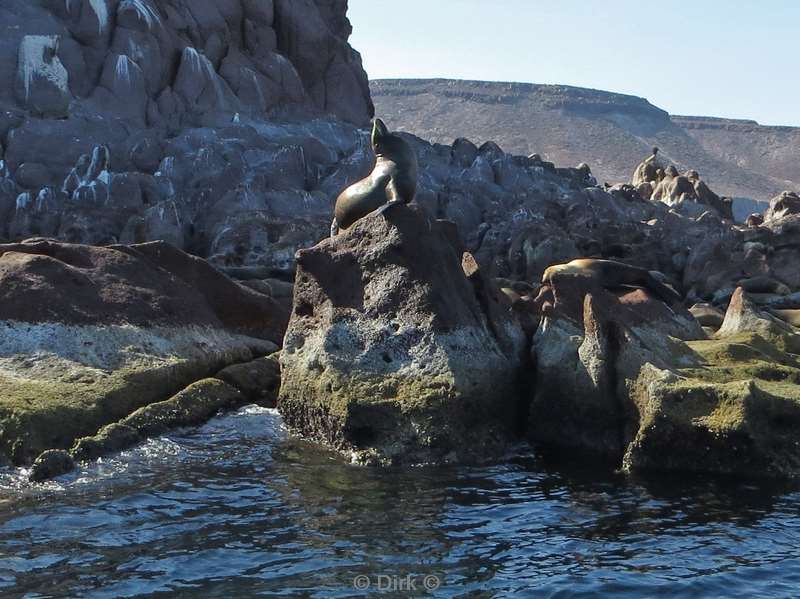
[393,354]
[192,406]
[91,334]
[613,383]
[738,412]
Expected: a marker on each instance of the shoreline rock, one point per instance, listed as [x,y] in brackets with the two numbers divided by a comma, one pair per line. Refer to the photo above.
[92,334]
[393,354]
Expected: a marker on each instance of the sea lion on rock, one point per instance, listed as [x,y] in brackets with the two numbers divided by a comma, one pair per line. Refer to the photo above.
[393,180]
[610,273]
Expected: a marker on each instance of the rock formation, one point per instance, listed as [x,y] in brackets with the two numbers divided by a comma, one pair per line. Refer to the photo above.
[686,193]
[226,130]
[91,334]
[179,62]
[397,351]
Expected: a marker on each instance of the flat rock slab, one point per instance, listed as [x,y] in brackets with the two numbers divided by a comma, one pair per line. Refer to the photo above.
[91,334]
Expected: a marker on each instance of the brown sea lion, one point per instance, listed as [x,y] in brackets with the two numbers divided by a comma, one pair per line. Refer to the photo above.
[610,273]
[393,180]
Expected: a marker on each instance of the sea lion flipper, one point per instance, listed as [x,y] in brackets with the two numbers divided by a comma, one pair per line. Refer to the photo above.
[664,292]
[387,206]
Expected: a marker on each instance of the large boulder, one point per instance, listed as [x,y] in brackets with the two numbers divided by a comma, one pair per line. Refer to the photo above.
[589,343]
[737,411]
[784,204]
[395,354]
[621,376]
[92,334]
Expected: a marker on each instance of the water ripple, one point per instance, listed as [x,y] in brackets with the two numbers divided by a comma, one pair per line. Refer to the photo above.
[236,508]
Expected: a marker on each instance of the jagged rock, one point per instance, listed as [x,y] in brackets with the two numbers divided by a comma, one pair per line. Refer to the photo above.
[647,172]
[91,334]
[743,316]
[312,36]
[42,84]
[588,343]
[607,385]
[782,205]
[392,354]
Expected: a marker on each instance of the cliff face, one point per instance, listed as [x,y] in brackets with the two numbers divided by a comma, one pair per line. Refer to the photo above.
[176,62]
[216,125]
[611,132]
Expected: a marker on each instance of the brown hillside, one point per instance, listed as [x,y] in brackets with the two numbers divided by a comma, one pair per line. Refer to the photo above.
[612,132]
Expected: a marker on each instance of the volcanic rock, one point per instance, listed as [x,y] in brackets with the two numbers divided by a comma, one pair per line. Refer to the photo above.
[393,353]
[92,334]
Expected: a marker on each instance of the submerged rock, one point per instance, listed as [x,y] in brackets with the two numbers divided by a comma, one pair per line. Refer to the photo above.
[393,354]
[50,464]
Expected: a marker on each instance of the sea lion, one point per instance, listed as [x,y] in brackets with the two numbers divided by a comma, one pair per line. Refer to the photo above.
[610,273]
[393,180]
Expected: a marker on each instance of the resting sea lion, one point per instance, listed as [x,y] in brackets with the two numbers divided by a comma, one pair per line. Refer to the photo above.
[392,181]
[610,273]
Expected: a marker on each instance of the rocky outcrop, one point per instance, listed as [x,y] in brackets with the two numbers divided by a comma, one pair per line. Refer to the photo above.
[179,62]
[589,345]
[630,381]
[687,193]
[92,334]
[782,205]
[736,412]
[222,128]
[397,351]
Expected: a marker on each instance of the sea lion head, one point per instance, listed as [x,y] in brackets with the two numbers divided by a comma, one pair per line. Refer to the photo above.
[379,131]
[574,268]
[388,145]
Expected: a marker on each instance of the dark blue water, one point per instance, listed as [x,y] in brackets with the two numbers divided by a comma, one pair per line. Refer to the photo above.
[235,509]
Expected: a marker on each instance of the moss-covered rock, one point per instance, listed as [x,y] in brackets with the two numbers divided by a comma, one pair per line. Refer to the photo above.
[259,380]
[90,335]
[738,412]
[395,353]
[51,463]
[613,384]
[192,406]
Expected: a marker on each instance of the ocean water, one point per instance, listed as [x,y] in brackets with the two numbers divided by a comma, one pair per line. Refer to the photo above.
[238,509]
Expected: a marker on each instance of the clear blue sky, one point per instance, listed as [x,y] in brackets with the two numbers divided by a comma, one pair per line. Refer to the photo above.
[738,59]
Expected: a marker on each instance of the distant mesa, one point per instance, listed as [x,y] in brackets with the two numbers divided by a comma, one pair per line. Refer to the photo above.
[610,131]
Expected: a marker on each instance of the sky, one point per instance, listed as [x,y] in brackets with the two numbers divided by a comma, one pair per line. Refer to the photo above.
[734,59]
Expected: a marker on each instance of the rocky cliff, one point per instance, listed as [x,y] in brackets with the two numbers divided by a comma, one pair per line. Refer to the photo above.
[609,131]
[216,126]
[174,62]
